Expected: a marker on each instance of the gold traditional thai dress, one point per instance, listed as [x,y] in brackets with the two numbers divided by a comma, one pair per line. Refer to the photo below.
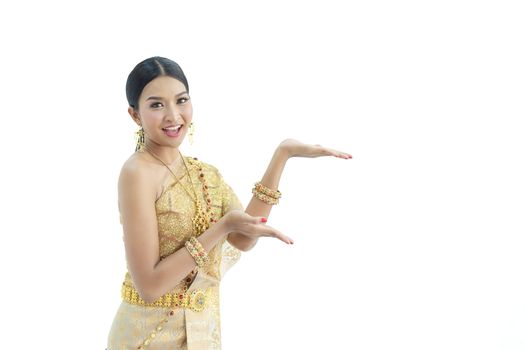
[188,316]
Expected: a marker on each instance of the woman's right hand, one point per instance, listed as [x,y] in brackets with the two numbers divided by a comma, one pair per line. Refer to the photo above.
[251,226]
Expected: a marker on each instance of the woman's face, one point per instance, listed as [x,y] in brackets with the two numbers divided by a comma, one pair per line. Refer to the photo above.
[164,105]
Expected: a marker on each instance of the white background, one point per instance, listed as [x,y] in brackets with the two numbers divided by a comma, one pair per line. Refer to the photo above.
[416,243]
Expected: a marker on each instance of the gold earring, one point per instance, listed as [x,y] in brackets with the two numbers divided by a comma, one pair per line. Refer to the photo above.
[192,131]
[140,140]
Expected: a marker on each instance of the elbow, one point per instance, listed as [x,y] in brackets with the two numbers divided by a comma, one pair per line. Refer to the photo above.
[148,292]
[148,297]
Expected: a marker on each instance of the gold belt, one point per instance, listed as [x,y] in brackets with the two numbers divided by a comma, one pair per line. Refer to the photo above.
[194,300]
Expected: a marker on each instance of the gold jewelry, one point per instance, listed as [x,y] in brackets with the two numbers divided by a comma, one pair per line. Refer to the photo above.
[201,221]
[139,135]
[196,301]
[179,298]
[265,194]
[202,218]
[191,133]
[197,251]
[266,199]
[259,187]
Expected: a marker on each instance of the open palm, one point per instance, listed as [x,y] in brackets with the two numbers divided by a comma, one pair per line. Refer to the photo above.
[295,148]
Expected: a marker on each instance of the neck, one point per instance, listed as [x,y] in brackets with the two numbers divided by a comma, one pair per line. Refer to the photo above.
[169,155]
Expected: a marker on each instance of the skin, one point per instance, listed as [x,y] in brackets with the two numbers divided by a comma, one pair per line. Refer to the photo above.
[164,102]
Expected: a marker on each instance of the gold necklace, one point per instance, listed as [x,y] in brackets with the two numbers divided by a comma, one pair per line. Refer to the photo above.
[202,218]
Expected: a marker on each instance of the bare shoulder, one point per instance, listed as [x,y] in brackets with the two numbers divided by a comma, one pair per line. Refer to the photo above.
[137,173]
[135,167]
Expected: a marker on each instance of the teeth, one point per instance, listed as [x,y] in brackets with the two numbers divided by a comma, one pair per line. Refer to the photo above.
[173,128]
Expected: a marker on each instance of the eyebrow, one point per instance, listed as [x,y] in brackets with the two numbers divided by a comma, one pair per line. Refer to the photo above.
[160,98]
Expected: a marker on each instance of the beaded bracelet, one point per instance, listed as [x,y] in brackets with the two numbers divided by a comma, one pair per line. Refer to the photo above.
[199,257]
[197,251]
[259,187]
[266,199]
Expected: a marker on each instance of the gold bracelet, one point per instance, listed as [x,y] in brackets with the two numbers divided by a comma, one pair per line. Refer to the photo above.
[198,255]
[266,199]
[199,260]
[259,187]
[197,251]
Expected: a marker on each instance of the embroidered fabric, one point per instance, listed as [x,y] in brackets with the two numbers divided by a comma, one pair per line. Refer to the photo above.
[186,329]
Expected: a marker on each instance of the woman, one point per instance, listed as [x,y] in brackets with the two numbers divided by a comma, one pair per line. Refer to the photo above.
[183,225]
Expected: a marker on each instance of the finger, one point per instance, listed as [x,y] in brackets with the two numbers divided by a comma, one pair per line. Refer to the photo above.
[278,234]
[284,238]
[329,152]
[268,231]
[340,154]
[260,220]
[344,155]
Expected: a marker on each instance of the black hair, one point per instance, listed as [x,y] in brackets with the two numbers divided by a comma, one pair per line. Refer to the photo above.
[146,71]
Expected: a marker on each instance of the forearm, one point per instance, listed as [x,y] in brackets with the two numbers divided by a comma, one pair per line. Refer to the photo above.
[256,207]
[170,271]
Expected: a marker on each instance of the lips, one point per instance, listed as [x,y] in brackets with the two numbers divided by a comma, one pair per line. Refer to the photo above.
[172,128]
[172,131]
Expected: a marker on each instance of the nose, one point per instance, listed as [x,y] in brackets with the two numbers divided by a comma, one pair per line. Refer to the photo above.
[173,113]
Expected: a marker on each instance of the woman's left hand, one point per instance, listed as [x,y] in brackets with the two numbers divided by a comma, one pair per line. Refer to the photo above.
[294,148]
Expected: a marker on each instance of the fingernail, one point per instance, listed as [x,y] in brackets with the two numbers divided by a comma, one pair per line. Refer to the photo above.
[264,219]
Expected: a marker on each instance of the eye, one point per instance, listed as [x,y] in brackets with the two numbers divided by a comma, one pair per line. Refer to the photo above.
[156,105]
[186,99]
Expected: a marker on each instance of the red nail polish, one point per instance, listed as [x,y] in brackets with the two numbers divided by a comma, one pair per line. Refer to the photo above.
[264,219]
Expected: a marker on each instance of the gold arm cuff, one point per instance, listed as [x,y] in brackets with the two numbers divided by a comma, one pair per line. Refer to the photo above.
[266,199]
[259,187]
